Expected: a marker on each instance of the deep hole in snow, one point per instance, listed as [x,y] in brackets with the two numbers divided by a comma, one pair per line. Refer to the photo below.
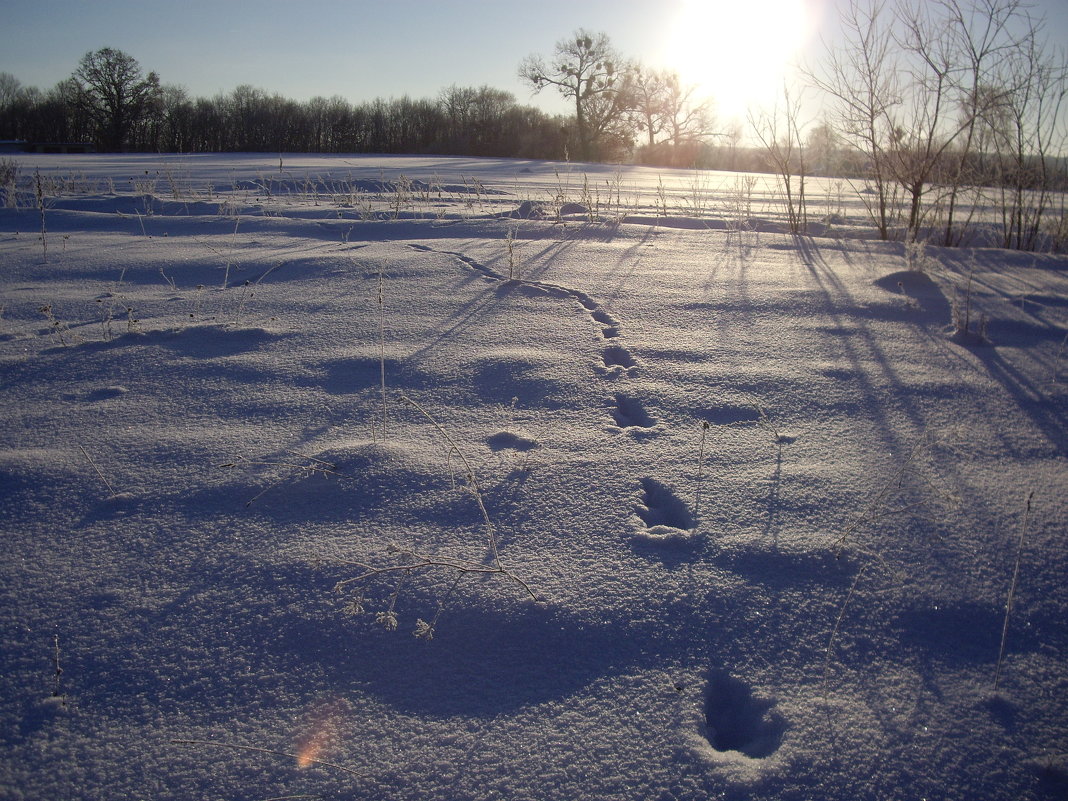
[616,356]
[736,721]
[629,413]
[662,507]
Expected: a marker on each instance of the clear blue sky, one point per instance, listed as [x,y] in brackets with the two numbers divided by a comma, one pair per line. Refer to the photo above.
[362,50]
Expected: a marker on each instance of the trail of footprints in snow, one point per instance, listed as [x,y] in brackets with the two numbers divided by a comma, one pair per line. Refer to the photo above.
[627,413]
[617,359]
[664,517]
[734,720]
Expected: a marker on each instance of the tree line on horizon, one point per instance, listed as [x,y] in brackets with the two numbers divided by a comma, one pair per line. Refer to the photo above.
[111,103]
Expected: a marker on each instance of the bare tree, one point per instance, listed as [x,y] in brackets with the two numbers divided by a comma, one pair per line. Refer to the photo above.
[10,88]
[984,41]
[779,133]
[665,108]
[1030,137]
[588,71]
[923,126]
[822,145]
[859,75]
[688,118]
[116,93]
[650,102]
[925,89]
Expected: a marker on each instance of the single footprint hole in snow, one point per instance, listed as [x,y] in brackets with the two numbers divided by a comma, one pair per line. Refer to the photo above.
[662,507]
[616,356]
[736,721]
[630,413]
[603,317]
[511,441]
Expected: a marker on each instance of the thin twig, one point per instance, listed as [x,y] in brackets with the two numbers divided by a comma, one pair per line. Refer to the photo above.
[700,474]
[472,479]
[229,255]
[382,346]
[97,469]
[318,466]
[838,621]
[257,750]
[1012,588]
[310,468]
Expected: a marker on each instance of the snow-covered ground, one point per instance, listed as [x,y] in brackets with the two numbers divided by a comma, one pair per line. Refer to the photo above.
[691,508]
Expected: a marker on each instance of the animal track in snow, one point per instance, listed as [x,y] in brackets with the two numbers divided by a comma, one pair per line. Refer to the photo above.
[474,265]
[508,440]
[664,516]
[617,359]
[737,721]
[609,325]
[629,413]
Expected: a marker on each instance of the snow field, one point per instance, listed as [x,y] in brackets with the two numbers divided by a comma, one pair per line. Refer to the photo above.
[184,482]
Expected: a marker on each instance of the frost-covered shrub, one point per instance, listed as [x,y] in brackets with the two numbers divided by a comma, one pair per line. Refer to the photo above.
[9,175]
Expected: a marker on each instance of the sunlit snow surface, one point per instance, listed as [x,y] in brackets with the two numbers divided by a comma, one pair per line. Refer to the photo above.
[769,506]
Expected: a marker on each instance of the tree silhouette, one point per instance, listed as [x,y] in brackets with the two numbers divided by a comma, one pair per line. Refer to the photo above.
[115,93]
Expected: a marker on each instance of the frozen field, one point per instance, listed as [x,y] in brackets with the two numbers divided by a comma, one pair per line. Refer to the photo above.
[683,506]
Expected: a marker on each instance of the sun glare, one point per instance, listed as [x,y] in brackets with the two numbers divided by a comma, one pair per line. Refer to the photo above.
[739,51]
[318,734]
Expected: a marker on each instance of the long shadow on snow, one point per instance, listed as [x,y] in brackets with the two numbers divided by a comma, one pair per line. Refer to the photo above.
[1049,414]
[353,374]
[363,483]
[482,662]
[839,298]
[969,632]
[202,341]
[276,631]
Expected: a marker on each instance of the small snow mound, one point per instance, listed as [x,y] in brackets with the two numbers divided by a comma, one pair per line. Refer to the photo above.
[573,208]
[106,393]
[918,288]
[361,456]
[528,210]
[912,282]
[736,721]
[343,481]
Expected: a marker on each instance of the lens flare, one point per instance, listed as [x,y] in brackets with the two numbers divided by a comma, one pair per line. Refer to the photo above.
[320,732]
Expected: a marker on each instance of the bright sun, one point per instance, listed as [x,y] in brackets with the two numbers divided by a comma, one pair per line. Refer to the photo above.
[739,51]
